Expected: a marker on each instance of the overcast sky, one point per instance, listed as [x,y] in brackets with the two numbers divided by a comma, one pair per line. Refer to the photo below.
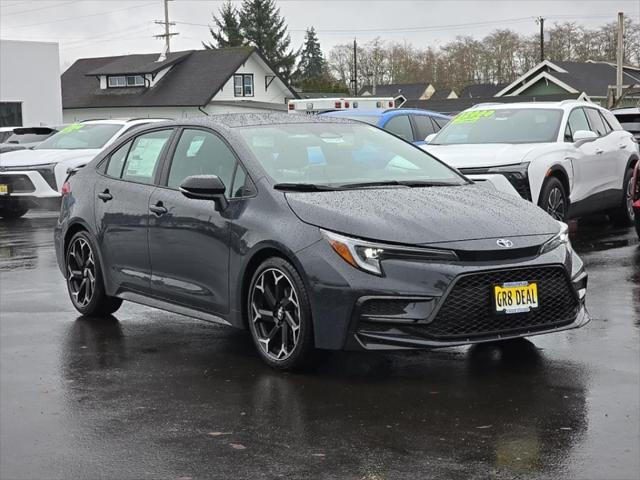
[92,28]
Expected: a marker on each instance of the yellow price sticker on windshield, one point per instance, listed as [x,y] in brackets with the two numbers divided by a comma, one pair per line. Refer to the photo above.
[72,128]
[473,116]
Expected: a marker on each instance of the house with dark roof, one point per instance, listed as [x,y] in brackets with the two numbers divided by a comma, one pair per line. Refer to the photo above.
[590,78]
[481,90]
[176,85]
[410,91]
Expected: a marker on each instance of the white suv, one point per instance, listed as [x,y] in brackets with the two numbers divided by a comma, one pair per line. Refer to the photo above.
[572,158]
[34,177]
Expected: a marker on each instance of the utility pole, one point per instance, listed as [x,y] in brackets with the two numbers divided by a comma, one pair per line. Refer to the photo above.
[619,56]
[355,68]
[540,20]
[166,35]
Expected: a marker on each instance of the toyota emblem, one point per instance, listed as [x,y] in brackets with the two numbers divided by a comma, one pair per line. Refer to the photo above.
[504,243]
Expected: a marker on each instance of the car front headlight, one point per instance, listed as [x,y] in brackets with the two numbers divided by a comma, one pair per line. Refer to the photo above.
[367,255]
[518,170]
[561,238]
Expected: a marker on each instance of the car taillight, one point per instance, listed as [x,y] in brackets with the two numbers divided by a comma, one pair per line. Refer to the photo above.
[338,105]
[291,106]
[346,104]
[390,104]
[66,189]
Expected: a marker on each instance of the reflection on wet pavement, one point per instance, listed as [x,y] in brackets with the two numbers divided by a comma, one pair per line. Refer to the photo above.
[149,394]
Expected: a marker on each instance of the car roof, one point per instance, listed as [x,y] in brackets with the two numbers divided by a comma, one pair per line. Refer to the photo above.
[382,112]
[510,106]
[626,110]
[235,120]
[123,121]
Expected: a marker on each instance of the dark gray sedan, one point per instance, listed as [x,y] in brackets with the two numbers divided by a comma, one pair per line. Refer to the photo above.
[313,234]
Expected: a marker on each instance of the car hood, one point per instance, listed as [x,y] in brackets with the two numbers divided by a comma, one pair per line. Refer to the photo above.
[481,155]
[25,158]
[418,216]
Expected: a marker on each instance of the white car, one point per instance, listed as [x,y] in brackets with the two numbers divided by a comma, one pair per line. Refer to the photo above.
[572,158]
[30,178]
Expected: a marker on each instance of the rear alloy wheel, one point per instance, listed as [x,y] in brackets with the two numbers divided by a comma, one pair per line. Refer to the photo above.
[84,279]
[553,199]
[624,215]
[279,315]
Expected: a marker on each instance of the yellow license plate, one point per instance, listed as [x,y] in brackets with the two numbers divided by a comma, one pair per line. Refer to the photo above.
[4,189]
[515,297]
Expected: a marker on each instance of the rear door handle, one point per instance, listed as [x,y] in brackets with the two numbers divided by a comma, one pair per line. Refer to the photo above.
[158,209]
[599,152]
[105,196]
[623,146]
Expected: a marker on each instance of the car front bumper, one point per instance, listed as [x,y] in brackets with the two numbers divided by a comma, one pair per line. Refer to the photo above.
[414,300]
[29,188]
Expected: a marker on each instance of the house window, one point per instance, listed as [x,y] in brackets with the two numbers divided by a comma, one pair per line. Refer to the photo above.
[126,81]
[10,114]
[243,85]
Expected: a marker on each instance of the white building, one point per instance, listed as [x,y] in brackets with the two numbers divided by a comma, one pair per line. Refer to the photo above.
[29,84]
[185,84]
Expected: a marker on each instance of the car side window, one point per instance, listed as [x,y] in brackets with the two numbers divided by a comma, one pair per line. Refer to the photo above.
[117,159]
[611,120]
[596,122]
[144,155]
[439,123]
[400,126]
[577,121]
[201,153]
[242,185]
[424,126]
[607,127]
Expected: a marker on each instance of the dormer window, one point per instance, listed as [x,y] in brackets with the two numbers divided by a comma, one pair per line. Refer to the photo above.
[125,81]
[243,85]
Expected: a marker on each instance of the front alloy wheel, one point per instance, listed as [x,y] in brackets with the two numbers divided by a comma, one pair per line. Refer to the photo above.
[553,199]
[278,315]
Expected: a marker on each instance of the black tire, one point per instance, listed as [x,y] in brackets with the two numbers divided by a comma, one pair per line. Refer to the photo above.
[553,199]
[638,225]
[271,316]
[82,265]
[11,213]
[623,216]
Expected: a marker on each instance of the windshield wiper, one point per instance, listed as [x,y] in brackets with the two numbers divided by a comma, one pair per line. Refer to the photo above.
[401,183]
[304,187]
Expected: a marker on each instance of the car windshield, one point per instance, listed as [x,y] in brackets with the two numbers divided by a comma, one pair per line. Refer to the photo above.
[81,135]
[513,125]
[341,154]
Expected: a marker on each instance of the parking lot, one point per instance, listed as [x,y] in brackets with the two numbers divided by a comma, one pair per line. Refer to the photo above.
[150,394]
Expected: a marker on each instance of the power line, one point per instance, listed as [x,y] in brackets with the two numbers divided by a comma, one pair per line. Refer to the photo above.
[83,16]
[38,9]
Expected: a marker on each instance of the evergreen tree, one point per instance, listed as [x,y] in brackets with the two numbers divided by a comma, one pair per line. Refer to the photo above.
[312,67]
[263,27]
[227,33]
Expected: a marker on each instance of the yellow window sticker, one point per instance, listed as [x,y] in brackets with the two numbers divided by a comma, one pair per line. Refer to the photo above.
[473,116]
[72,128]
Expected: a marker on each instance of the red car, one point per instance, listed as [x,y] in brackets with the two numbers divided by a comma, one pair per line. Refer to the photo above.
[635,195]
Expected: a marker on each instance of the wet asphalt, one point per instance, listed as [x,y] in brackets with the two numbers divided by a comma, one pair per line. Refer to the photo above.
[149,394]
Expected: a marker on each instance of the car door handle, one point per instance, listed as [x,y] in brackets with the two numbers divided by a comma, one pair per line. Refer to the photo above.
[105,196]
[158,209]
[599,152]
[623,146]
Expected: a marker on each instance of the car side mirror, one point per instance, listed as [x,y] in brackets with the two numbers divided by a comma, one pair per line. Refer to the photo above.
[205,187]
[430,137]
[584,135]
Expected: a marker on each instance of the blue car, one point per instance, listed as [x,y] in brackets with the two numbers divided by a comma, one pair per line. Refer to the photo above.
[411,124]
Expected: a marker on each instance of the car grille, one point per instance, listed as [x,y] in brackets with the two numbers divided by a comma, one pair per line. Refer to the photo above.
[17,183]
[467,310]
